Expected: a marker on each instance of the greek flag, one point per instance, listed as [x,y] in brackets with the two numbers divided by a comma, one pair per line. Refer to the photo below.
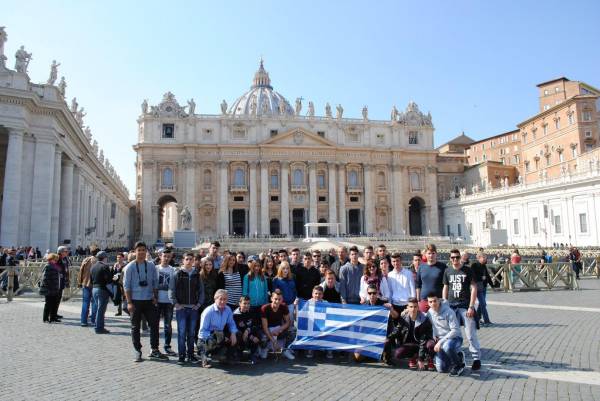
[337,327]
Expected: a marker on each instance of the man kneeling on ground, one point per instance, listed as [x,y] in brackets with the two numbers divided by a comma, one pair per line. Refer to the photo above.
[446,333]
[414,337]
[217,330]
[275,319]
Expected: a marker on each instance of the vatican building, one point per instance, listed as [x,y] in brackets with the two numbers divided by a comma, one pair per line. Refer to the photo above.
[267,166]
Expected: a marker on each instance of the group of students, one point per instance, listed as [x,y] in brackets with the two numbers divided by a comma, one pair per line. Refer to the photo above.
[228,308]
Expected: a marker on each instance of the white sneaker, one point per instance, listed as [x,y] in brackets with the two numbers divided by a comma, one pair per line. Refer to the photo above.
[263,353]
[289,354]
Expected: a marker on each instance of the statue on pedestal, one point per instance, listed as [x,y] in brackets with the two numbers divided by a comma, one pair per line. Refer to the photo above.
[489,219]
[191,107]
[365,113]
[340,111]
[223,107]
[74,105]
[145,107]
[298,105]
[311,109]
[79,116]
[394,115]
[186,218]
[327,110]
[53,72]
[62,86]
[22,60]
[88,133]
[3,39]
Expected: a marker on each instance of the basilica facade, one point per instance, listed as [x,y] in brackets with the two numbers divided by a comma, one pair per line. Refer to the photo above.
[266,167]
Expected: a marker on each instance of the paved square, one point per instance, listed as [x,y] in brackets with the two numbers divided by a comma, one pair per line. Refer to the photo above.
[544,346]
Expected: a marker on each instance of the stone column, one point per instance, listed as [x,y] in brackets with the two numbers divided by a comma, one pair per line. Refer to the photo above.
[66,202]
[312,195]
[155,210]
[397,199]
[190,189]
[100,233]
[285,206]
[433,227]
[75,208]
[264,197]
[253,223]
[56,195]
[368,196]
[331,198]
[223,204]
[147,195]
[342,197]
[43,189]
[11,202]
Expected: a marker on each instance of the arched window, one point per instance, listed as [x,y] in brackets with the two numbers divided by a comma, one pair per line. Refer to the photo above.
[298,177]
[381,179]
[167,178]
[207,178]
[274,180]
[239,178]
[321,180]
[353,179]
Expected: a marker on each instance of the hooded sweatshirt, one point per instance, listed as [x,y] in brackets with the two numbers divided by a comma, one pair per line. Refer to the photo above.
[444,322]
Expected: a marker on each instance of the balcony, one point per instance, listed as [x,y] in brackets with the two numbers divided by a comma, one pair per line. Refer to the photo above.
[299,188]
[353,189]
[238,188]
[168,188]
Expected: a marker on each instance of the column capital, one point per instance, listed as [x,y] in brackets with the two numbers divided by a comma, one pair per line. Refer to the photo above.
[312,164]
[367,166]
[253,163]
[264,162]
[16,132]
[285,163]
[148,163]
[223,163]
[68,163]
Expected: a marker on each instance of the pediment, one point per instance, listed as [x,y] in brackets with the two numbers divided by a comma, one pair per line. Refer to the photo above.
[298,137]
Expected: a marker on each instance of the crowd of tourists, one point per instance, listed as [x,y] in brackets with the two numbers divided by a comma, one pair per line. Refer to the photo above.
[231,307]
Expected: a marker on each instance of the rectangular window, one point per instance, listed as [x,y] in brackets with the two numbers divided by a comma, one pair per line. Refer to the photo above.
[517,159]
[448,232]
[588,147]
[354,199]
[483,146]
[527,167]
[459,230]
[571,119]
[574,152]
[168,131]
[561,157]
[587,116]
[322,199]
[502,160]
[545,127]
[238,198]
[413,137]
[321,134]
[588,134]
[557,124]
[516,226]
[583,223]
[380,139]
[557,227]
[274,198]
[274,132]
[321,181]
[274,181]
[534,225]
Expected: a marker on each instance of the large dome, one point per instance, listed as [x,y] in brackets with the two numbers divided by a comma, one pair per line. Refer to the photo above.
[261,99]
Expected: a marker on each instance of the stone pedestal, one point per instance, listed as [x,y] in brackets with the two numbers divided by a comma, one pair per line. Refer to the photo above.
[184,239]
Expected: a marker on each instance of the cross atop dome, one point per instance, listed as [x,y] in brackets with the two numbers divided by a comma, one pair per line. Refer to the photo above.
[261,77]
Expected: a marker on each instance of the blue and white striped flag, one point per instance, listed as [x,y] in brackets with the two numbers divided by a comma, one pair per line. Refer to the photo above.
[341,327]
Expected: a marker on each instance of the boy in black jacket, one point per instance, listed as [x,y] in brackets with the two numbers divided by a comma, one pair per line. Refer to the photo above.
[186,291]
[248,334]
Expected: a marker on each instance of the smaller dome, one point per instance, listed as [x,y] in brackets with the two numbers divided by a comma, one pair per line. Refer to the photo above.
[261,99]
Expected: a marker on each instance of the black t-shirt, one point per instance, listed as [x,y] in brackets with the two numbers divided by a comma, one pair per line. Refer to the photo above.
[274,318]
[459,286]
[332,295]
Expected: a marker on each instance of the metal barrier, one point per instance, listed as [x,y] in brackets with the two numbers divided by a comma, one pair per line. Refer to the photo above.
[30,276]
[592,268]
[532,276]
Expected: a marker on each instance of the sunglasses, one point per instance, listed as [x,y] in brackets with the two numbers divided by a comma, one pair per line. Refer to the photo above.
[454,257]
[372,293]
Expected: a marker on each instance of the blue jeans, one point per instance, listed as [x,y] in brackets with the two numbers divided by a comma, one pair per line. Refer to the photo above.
[448,355]
[186,325]
[166,311]
[482,308]
[101,299]
[85,306]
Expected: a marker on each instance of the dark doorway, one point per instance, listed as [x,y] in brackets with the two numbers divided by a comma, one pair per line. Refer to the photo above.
[167,217]
[238,221]
[415,212]
[323,231]
[298,222]
[354,223]
[274,227]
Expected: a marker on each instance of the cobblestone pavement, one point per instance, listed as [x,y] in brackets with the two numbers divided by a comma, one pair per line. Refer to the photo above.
[529,354]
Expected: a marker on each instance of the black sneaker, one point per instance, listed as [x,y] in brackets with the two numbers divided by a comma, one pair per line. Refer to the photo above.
[103,331]
[181,360]
[476,364]
[169,351]
[457,370]
[137,356]
[156,354]
[193,360]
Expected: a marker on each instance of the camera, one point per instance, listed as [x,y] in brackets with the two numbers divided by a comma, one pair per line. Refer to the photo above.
[143,283]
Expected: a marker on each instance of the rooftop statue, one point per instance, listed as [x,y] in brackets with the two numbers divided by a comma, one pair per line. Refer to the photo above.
[22,60]
[145,106]
[328,110]
[365,113]
[3,39]
[340,111]
[191,106]
[394,116]
[311,109]
[62,86]
[298,105]
[53,72]
[74,105]
[223,107]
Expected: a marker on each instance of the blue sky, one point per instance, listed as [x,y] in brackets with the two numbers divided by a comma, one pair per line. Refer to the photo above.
[473,64]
